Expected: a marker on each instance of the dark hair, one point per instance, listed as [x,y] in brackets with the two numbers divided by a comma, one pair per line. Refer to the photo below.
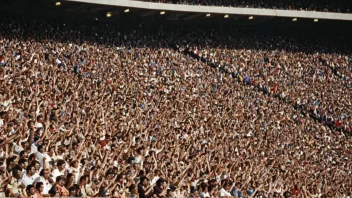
[69,175]
[71,188]
[35,162]
[109,171]
[52,191]
[83,161]
[38,184]
[143,178]
[193,189]
[83,178]
[15,171]
[160,182]
[9,160]
[204,186]
[132,186]
[29,187]
[172,187]
[31,156]
[59,178]
[22,161]
[17,166]
[60,162]
[119,176]
[40,148]
[130,159]
[22,153]
[76,186]
[29,167]
[141,173]
[41,172]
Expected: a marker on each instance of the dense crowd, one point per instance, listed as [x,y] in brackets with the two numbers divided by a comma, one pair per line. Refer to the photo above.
[97,111]
[343,6]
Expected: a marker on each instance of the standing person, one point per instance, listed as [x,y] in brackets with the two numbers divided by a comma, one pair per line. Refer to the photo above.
[133,189]
[83,185]
[73,192]
[237,190]
[39,187]
[160,190]
[31,191]
[143,190]
[205,191]
[70,180]
[29,177]
[60,170]
[60,186]
[224,192]
[14,188]
[44,179]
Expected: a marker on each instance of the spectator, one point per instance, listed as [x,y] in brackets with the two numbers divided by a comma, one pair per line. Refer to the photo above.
[30,175]
[43,178]
[39,187]
[236,112]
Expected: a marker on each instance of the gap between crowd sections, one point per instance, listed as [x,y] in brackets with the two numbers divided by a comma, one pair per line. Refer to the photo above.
[296,106]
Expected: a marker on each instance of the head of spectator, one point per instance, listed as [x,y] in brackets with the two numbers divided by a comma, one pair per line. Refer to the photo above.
[30,189]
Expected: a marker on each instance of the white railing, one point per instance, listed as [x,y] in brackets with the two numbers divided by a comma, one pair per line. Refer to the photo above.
[221,10]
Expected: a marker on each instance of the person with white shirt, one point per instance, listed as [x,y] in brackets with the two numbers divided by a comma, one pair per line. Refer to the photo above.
[37,167]
[156,177]
[41,155]
[224,192]
[205,192]
[137,157]
[23,164]
[38,124]
[76,170]
[44,178]
[29,177]
[60,170]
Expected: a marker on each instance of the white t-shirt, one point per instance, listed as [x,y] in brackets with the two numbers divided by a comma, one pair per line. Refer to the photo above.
[57,173]
[40,157]
[137,159]
[195,183]
[34,148]
[154,180]
[28,180]
[224,193]
[47,160]
[76,173]
[38,125]
[46,184]
[17,148]
[204,195]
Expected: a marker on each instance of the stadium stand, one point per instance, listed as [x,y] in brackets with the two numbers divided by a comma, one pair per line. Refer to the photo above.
[92,109]
[343,6]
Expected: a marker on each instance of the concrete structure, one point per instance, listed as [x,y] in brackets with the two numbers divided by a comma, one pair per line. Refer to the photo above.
[221,10]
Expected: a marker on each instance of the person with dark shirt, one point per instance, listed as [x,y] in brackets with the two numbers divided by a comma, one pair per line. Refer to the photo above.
[160,190]
[143,190]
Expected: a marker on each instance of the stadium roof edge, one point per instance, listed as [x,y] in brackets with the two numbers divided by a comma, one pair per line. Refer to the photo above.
[221,10]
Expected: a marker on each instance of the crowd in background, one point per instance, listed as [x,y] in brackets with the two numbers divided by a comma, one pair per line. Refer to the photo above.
[343,6]
[97,111]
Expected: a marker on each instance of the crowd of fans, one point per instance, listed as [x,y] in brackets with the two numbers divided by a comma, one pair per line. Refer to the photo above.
[96,111]
[343,6]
